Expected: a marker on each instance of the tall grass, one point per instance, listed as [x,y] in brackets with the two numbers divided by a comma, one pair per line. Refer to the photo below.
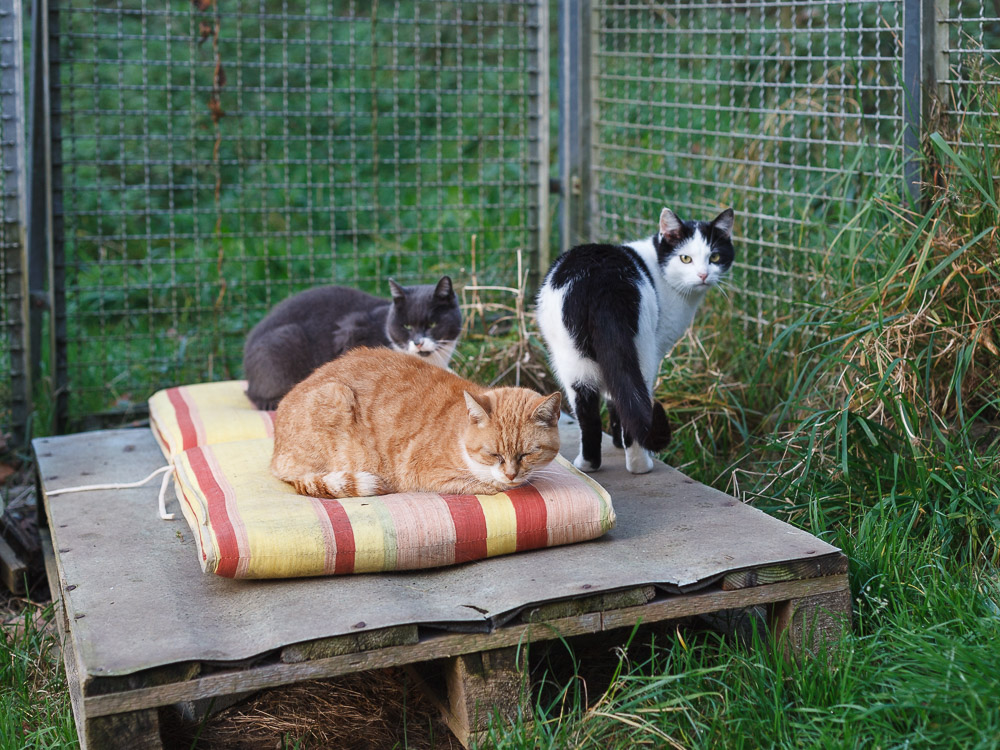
[873,421]
[34,703]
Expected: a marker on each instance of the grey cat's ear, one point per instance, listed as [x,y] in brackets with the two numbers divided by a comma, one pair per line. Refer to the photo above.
[670,225]
[547,412]
[723,223]
[479,409]
[444,289]
[398,293]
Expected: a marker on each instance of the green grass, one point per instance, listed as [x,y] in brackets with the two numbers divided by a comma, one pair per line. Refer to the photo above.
[872,423]
[34,702]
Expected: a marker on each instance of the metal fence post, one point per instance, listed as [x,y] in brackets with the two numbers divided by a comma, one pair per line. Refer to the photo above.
[934,56]
[14,211]
[45,266]
[576,117]
[539,137]
[912,97]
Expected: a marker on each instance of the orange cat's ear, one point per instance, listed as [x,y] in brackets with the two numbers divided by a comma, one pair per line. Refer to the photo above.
[479,409]
[547,412]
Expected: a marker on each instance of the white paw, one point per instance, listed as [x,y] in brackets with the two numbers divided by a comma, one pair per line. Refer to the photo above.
[584,465]
[335,482]
[638,460]
[366,484]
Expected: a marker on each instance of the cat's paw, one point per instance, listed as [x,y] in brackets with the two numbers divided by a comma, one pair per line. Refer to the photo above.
[638,460]
[584,465]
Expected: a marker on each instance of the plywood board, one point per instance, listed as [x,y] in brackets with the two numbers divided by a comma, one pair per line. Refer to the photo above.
[136,596]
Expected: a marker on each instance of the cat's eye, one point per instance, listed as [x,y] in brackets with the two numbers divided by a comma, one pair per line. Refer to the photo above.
[685,258]
[714,258]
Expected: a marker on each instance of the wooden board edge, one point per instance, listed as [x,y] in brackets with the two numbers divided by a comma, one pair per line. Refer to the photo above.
[368,640]
[65,642]
[446,645]
[835,563]
[12,568]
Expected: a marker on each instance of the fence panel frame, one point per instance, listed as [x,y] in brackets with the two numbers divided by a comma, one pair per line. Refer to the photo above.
[54,246]
[13,193]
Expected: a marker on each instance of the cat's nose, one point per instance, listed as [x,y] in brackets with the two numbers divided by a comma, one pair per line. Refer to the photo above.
[510,472]
[703,275]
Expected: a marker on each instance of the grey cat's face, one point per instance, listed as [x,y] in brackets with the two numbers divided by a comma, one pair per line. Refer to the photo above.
[424,320]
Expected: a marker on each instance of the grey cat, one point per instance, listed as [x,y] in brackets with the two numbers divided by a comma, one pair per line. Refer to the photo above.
[315,326]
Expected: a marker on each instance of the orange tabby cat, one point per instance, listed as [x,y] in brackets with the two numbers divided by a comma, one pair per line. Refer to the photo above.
[375,421]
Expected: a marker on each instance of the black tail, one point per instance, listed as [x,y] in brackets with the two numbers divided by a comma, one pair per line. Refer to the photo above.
[619,365]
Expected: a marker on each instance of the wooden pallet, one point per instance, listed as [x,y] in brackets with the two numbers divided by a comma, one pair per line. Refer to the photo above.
[805,594]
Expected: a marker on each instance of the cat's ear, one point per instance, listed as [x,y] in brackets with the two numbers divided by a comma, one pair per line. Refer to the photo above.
[398,294]
[670,225]
[723,223]
[479,409]
[546,413]
[444,290]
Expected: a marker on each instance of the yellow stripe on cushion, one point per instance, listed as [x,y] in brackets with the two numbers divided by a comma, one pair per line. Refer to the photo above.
[366,517]
[501,524]
[206,414]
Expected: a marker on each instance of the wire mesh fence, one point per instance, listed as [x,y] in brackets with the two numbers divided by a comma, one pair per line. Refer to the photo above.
[14,388]
[970,54]
[774,108]
[213,157]
[220,156]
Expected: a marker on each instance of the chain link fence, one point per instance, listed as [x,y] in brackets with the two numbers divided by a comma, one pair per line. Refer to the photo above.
[14,384]
[969,53]
[220,156]
[209,158]
[770,107]
[787,111]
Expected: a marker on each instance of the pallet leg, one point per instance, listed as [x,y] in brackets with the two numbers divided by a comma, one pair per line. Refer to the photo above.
[136,730]
[483,685]
[811,624]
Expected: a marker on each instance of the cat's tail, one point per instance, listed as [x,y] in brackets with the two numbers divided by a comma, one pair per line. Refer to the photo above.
[640,416]
[337,484]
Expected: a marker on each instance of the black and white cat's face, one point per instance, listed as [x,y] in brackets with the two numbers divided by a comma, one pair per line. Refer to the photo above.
[694,256]
[424,320]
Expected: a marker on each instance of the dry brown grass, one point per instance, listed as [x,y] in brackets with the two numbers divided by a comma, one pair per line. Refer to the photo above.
[367,711]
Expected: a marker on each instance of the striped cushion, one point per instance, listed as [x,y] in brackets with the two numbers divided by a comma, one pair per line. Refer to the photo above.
[249,524]
[206,414]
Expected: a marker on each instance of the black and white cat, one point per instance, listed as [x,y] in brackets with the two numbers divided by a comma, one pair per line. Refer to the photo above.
[610,313]
[315,326]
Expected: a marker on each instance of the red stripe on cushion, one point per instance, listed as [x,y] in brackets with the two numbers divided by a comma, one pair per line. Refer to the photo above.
[470,527]
[218,514]
[343,536]
[185,422]
[532,518]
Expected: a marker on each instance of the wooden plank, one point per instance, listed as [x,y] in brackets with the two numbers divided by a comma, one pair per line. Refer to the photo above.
[598,603]
[808,625]
[135,730]
[352,643]
[454,644]
[485,685]
[148,678]
[69,655]
[12,568]
[828,565]
[664,522]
